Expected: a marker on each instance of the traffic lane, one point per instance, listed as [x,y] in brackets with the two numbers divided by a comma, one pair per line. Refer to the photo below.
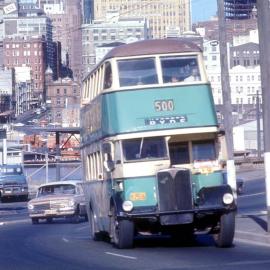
[68,246]
[253,199]
[13,211]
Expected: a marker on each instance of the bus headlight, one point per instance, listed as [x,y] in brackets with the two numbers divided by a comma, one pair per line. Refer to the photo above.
[227,198]
[127,206]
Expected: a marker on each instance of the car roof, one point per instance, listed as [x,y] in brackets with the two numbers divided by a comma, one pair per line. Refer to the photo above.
[67,182]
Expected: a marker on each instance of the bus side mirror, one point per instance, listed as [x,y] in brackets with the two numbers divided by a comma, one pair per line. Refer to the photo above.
[107,148]
[109,165]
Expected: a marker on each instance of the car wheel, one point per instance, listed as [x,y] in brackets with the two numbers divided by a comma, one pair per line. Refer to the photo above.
[122,232]
[75,218]
[49,220]
[35,221]
[224,238]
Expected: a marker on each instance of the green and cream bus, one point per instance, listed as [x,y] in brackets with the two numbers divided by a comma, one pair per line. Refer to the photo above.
[151,146]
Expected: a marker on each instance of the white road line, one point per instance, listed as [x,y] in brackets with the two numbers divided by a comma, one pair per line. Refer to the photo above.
[250,195]
[120,255]
[65,239]
[82,228]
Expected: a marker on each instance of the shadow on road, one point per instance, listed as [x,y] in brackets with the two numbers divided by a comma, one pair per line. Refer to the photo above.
[261,222]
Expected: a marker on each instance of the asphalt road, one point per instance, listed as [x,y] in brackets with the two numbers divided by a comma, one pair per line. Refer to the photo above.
[62,245]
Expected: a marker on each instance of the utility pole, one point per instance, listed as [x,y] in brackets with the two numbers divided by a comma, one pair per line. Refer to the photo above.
[263,7]
[226,94]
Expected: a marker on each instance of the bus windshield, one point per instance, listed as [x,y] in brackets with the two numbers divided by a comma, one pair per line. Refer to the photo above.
[204,150]
[137,72]
[144,148]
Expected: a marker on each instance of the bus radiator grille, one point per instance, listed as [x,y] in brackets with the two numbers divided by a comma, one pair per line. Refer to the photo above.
[174,188]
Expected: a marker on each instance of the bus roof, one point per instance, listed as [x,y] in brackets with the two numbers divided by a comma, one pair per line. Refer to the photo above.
[153,46]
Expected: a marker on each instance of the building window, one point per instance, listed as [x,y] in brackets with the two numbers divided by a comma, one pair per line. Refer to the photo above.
[57,91]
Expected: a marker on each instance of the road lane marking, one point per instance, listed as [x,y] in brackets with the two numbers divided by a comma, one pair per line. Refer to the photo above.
[82,228]
[120,255]
[65,239]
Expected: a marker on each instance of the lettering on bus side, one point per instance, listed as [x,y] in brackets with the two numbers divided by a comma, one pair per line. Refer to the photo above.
[165,120]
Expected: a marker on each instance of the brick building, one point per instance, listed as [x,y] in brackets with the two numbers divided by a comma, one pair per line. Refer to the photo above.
[63,99]
[30,52]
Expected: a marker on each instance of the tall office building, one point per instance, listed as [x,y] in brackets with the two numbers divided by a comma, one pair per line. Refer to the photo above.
[161,15]
[87,11]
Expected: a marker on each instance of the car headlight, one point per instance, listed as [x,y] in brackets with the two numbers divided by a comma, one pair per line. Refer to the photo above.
[127,206]
[227,198]
[30,206]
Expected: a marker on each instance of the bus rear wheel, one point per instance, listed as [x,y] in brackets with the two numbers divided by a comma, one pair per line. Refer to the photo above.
[96,236]
[122,233]
[224,238]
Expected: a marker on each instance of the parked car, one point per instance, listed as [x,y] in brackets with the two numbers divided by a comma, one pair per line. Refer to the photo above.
[57,200]
[13,184]
[239,183]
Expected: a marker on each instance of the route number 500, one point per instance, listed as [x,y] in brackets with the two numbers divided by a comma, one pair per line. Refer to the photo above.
[164,105]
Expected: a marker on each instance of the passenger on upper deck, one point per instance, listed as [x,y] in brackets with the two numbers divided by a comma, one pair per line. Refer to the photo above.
[194,75]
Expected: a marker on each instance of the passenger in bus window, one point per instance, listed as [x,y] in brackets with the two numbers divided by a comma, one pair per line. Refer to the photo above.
[108,81]
[194,75]
[175,78]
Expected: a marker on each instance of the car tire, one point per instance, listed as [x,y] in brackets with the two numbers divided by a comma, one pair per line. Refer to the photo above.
[35,221]
[75,218]
[225,235]
[122,232]
[49,220]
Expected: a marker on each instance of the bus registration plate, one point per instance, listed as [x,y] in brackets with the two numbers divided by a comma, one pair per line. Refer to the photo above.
[137,196]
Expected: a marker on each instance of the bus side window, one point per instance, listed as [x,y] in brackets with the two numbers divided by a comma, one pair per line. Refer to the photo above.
[107,76]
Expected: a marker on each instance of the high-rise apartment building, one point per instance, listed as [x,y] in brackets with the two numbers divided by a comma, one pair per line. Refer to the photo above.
[161,15]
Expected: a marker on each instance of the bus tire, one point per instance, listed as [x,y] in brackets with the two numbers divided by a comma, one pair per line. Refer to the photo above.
[96,236]
[122,233]
[224,238]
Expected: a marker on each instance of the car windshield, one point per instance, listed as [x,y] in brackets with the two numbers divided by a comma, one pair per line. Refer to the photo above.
[56,190]
[144,148]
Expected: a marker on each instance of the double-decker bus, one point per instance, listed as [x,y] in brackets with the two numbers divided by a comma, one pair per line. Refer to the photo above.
[151,146]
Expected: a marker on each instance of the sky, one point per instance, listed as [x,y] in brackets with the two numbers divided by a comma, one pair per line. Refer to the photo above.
[202,10]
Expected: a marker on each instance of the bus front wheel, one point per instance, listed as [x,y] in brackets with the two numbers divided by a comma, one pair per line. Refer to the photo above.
[122,233]
[224,238]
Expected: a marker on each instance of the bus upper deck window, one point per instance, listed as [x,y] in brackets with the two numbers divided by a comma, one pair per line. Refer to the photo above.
[137,72]
[107,76]
[179,69]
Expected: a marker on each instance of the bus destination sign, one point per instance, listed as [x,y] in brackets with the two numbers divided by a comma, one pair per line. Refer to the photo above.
[165,120]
